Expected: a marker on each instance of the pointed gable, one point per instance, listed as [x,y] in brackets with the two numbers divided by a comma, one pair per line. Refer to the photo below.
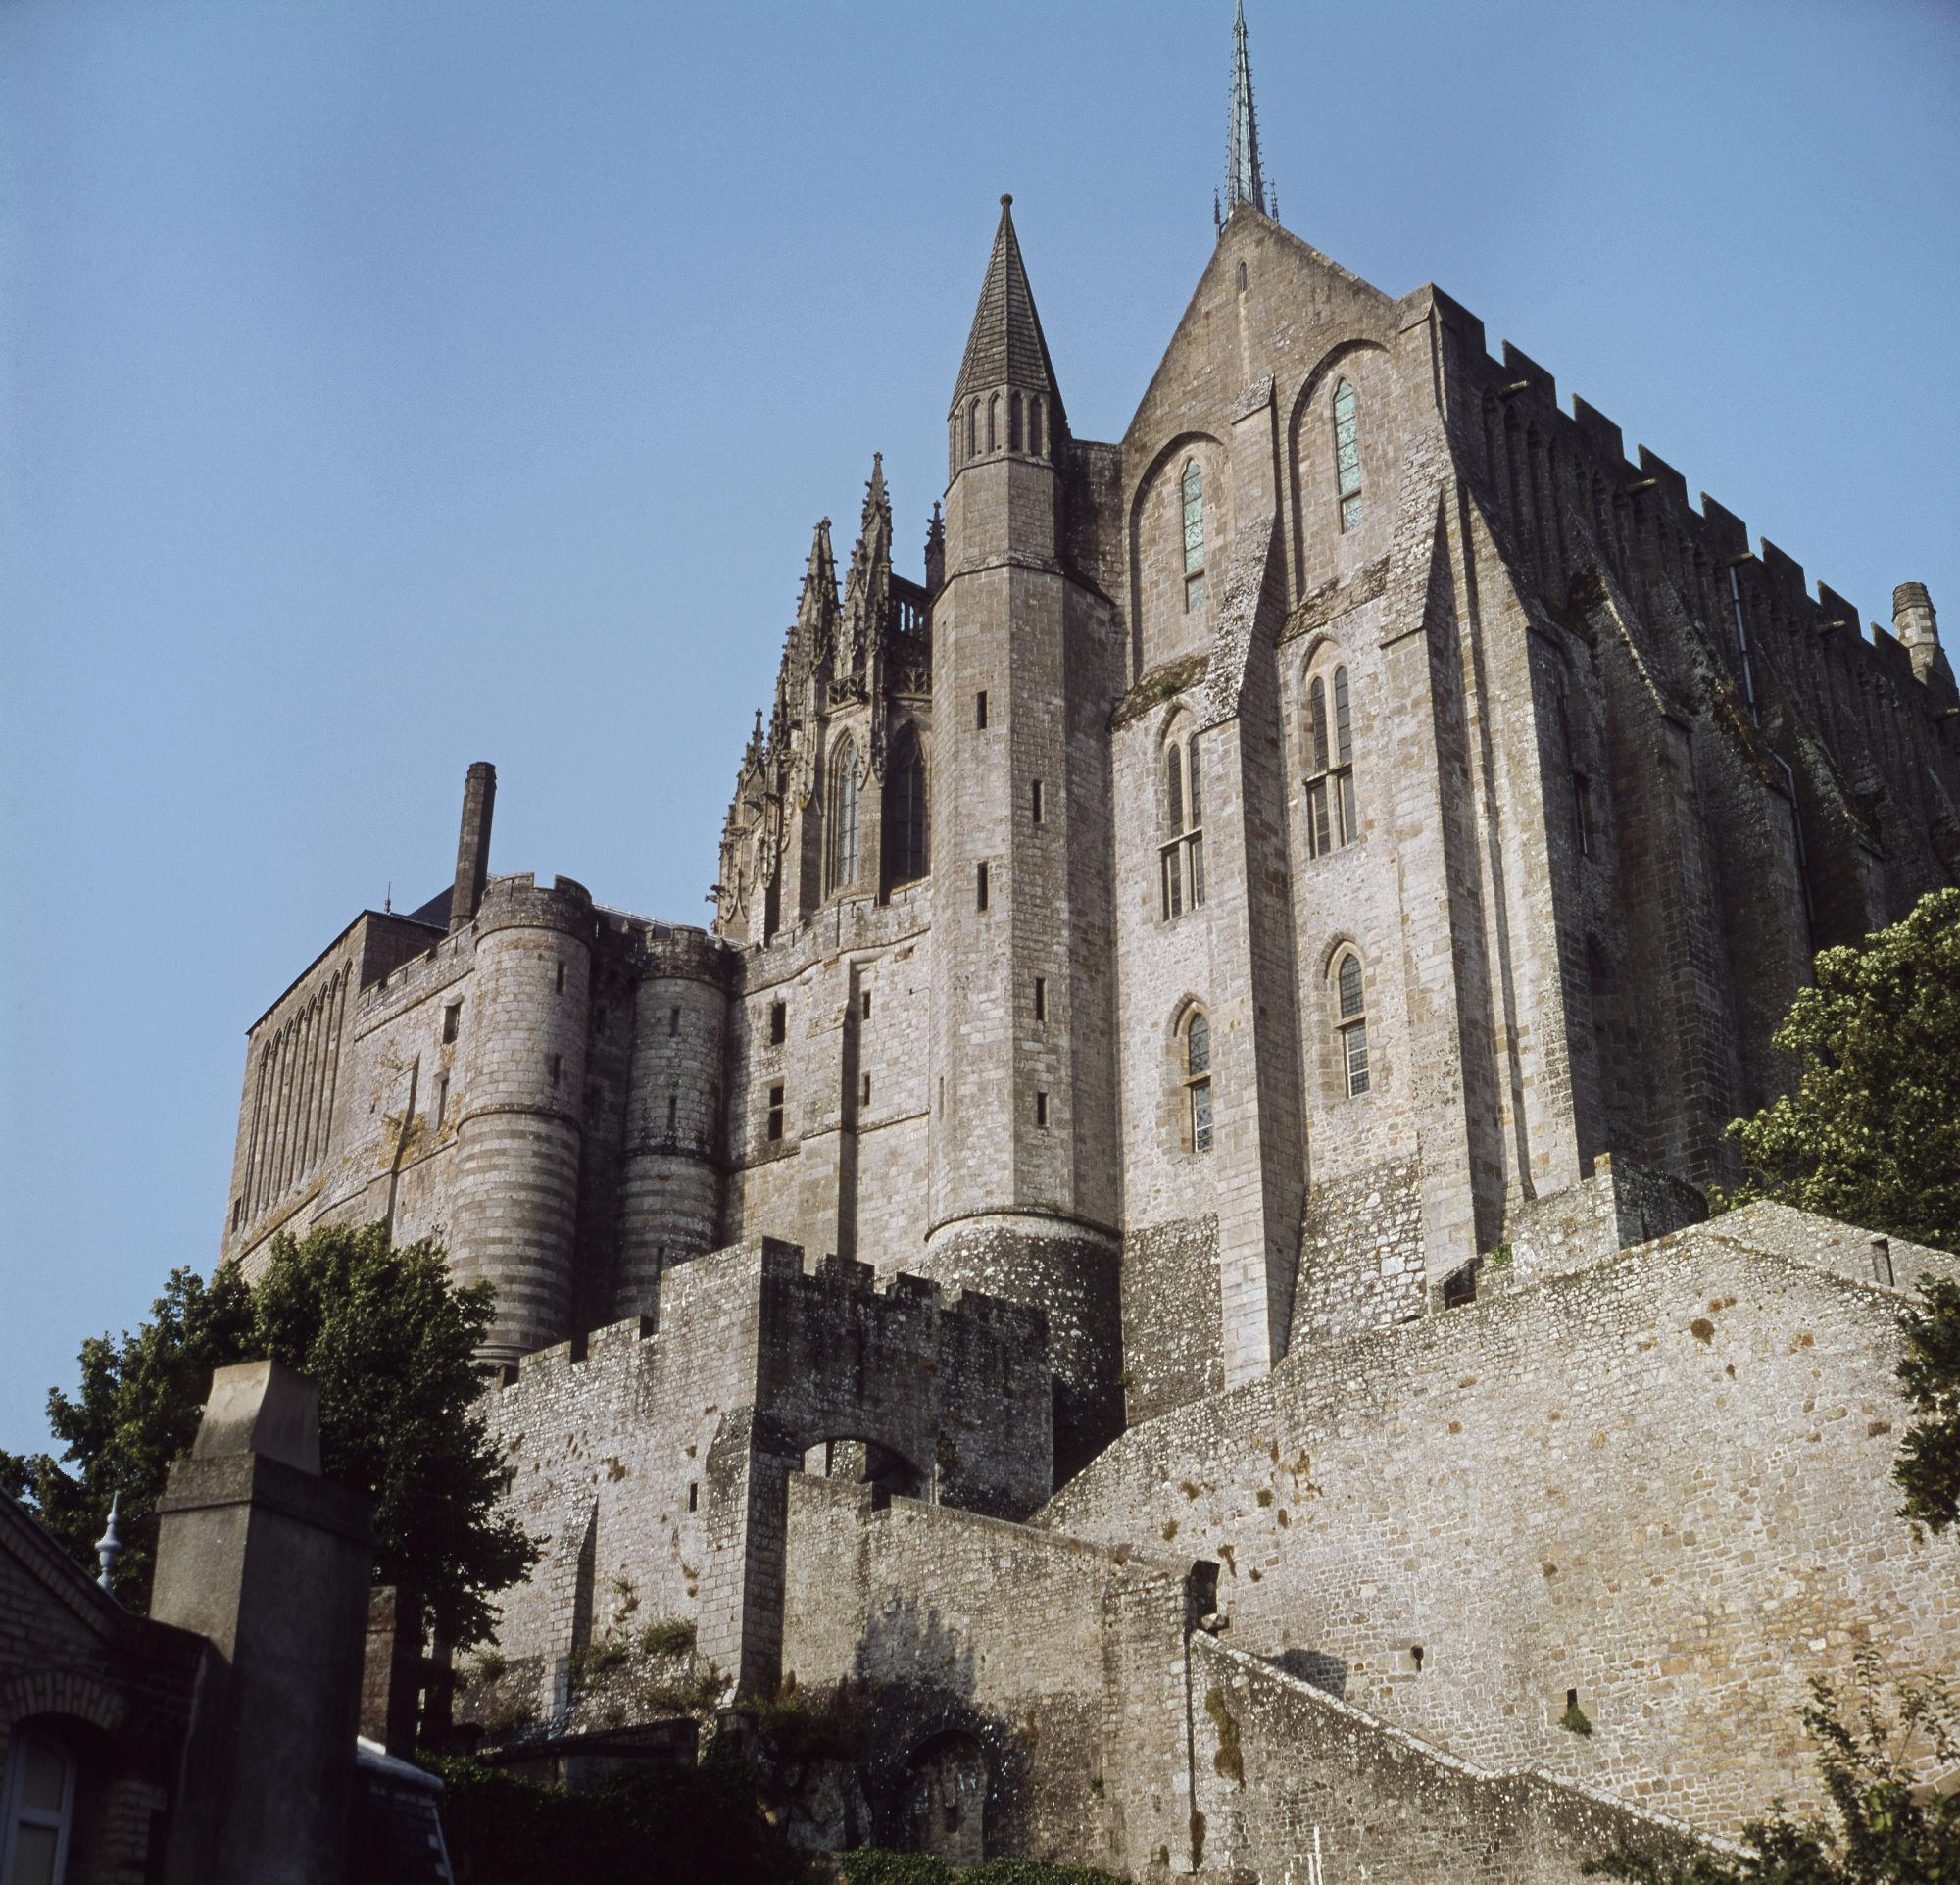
[1007,346]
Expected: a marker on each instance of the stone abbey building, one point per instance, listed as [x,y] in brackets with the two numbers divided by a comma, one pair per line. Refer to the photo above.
[1135,1229]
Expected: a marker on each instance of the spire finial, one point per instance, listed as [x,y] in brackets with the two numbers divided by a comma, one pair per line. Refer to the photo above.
[108,1547]
[1244,181]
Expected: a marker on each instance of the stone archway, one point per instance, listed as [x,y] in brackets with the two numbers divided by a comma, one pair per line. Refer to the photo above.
[944,1800]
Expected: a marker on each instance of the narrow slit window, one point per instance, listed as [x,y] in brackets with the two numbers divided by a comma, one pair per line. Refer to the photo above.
[559,989]
[1040,1109]
[864,1008]
[1191,494]
[779,1023]
[441,1101]
[841,835]
[980,886]
[868,1090]
[1352,1025]
[1346,456]
[1181,851]
[775,1113]
[1041,998]
[694,1495]
[674,1112]
[557,1068]
[1035,799]
[1035,426]
[980,711]
[1014,422]
[451,1022]
[1333,813]
[1197,1082]
[674,1023]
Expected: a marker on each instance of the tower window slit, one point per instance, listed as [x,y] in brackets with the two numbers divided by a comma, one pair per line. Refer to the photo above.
[775,1122]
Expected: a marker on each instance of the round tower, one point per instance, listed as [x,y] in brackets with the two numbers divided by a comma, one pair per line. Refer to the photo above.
[525,1021]
[670,1171]
[1023,1162]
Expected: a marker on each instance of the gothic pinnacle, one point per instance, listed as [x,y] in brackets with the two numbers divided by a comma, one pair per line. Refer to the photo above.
[1243,181]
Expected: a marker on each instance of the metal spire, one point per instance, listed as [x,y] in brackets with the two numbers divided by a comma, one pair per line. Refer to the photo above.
[1243,182]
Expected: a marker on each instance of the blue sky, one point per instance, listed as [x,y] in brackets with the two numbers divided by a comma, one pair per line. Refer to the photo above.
[386,387]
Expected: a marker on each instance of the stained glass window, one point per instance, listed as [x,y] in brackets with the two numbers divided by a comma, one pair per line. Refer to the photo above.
[1192,489]
[1347,456]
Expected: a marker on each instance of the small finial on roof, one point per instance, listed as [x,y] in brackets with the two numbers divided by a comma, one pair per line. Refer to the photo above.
[1007,201]
[108,1547]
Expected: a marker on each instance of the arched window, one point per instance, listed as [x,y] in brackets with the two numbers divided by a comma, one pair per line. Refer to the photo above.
[1180,852]
[1191,492]
[1333,817]
[1346,456]
[994,424]
[842,834]
[1197,1080]
[904,812]
[973,429]
[1014,422]
[1035,426]
[1351,1024]
[38,1797]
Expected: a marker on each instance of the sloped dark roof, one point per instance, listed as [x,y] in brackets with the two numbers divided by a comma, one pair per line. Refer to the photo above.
[1007,346]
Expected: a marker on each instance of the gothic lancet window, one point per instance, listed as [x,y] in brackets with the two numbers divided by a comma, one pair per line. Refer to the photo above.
[1346,456]
[840,861]
[1197,1080]
[1033,425]
[1181,851]
[905,845]
[1014,422]
[1191,493]
[1352,1024]
[1333,817]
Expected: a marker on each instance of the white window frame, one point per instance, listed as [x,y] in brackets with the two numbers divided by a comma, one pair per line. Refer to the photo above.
[19,1814]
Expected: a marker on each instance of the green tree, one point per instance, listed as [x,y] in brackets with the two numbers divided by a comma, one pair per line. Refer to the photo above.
[1928,1458]
[1870,1133]
[388,1339]
[1886,1826]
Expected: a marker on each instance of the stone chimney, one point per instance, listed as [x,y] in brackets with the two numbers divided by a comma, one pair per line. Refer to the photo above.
[1913,623]
[472,845]
[259,1554]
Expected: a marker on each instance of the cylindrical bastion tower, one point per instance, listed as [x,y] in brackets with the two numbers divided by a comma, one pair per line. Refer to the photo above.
[670,1169]
[525,1019]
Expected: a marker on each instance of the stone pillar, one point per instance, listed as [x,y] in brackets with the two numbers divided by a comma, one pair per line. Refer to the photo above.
[392,1671]
[269,1561]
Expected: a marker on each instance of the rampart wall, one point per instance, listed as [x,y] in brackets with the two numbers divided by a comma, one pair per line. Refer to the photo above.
[1059,1668]
[1283,1769]
[650,1460]
[1660,1483]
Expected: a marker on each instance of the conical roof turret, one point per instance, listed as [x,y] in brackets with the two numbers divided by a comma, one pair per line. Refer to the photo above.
[1007,347]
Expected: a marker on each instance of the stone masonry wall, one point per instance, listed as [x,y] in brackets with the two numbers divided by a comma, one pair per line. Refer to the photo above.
[1172,1346]
[1284,1769]
[1064,1663]
[1361,1254]
[1661,1481]
[650,1463]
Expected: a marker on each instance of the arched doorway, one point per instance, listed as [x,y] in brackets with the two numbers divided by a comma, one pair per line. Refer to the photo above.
[944,1805]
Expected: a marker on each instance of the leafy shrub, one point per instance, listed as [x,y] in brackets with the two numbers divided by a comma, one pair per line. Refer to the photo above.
[662,1826]
[668,1637]
[869,1866]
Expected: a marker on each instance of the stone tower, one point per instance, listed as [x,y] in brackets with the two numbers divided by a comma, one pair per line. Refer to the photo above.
[1023,1160]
